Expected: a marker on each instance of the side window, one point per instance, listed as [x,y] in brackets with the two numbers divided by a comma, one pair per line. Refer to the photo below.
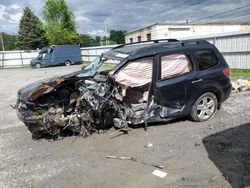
[206,59]
[175,65]
[136,73]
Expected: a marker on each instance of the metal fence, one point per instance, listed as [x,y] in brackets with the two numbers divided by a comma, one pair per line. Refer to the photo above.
[235,47]
[22,58]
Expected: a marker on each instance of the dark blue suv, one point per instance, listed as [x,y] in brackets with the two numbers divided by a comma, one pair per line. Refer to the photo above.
[152,81]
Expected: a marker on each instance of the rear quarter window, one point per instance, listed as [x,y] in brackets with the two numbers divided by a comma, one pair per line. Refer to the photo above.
[206,59]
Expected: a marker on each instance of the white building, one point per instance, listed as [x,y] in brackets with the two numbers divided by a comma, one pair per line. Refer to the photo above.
[178,31]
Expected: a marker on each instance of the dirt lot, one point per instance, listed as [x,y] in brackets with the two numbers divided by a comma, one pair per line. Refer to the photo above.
[215,153]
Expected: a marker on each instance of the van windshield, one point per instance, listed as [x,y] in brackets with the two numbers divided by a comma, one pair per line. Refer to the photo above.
[41,55]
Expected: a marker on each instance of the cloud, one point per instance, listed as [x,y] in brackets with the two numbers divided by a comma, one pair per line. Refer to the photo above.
[15,18]
[98,32]
[2,12]
[14,6]
[92,15]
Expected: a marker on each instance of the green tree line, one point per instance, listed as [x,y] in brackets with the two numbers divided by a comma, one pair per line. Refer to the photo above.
[59,27]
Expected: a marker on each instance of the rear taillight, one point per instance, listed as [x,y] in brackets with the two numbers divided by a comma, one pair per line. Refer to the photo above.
[226,71]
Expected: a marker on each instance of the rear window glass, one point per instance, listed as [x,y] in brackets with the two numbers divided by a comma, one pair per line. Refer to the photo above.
[206,59]
[175,65]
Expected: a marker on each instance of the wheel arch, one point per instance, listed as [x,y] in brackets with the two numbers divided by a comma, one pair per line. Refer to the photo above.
[213,89]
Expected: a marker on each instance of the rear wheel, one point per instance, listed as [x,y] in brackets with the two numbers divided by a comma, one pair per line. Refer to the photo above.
[205,107]
[38,65]
[67,63]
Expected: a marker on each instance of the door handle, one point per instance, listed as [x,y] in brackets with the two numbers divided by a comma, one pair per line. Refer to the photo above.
[195,81]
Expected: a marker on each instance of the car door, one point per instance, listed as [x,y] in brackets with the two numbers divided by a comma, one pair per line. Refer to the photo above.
[206,77]
[170,85]
[45,58]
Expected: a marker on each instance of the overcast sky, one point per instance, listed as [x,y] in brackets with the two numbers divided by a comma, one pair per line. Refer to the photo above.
[92,15]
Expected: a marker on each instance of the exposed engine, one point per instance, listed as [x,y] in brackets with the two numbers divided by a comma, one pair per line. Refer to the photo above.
[81,107]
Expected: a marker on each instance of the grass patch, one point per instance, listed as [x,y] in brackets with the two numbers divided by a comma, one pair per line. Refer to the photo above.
[23,67]
[245,73]
[108,65]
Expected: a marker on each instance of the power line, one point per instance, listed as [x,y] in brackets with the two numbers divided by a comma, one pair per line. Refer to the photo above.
[174,7]
[219,13]
[169,9]
[185,3]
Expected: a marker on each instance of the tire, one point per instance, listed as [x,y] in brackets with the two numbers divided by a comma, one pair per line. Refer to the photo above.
[205,107]
[38,65]
[67,63]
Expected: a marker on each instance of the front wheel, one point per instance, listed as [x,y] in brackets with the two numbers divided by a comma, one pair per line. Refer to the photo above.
[38,65]
[67,63]
[205,107]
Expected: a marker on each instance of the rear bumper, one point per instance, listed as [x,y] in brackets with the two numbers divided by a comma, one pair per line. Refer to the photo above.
[227,91]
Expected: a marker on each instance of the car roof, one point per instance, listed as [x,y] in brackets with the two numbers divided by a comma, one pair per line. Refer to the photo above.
[152,47]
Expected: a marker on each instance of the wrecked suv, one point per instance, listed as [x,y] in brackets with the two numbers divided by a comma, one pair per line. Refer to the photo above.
[152,81]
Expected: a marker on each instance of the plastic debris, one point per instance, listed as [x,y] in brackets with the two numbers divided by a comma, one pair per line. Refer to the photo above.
[149,145]
[241,85]
[135,160]
[159,173]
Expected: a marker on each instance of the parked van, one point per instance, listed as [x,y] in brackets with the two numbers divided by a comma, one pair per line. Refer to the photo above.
[57,55]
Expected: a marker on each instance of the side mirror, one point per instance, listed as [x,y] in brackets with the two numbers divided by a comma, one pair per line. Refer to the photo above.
[83,67]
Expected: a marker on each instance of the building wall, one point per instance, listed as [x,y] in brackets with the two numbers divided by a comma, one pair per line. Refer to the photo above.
[142,32]
[163,31]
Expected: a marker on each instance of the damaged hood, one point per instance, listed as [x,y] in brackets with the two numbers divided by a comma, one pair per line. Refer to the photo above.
[34,90]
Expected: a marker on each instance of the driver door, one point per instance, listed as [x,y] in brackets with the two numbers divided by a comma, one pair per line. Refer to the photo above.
[171,83]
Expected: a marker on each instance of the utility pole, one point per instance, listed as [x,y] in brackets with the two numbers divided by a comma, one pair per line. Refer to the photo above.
[106,32]
[2,41]
[1,37]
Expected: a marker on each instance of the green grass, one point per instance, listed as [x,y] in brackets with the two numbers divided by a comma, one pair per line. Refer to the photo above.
[244,73]
[23,67]
[108,66]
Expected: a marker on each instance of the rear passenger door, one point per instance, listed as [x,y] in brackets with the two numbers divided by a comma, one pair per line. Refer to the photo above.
[207,75]
[170,85]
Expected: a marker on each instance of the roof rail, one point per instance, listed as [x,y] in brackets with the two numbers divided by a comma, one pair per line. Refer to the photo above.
[149,41]
[168,40]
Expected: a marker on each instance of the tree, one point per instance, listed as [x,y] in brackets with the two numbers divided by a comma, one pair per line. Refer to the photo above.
[86,40]
[117,36]
[98,40]
[9,41]
[31,34]
[60,23]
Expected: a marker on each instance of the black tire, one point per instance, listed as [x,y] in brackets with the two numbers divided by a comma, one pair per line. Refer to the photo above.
[67,63]
[205,107]
[38,65]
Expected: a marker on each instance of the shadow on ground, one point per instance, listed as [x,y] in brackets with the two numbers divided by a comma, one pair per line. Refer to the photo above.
[230,152]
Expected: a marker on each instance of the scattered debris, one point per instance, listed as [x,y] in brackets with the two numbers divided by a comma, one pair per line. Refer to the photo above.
[241,85]
[124,131]
[112,133]
[159,173]
[196,144]
[135,160]
[149,145]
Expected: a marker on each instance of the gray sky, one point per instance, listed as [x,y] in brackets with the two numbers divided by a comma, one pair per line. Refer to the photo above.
[92,15]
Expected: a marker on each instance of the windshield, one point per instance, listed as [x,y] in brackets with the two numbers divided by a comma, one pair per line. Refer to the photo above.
[91,69]
[41,55]
[97,64]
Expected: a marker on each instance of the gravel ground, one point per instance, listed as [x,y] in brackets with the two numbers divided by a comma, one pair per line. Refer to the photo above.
[215,153]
